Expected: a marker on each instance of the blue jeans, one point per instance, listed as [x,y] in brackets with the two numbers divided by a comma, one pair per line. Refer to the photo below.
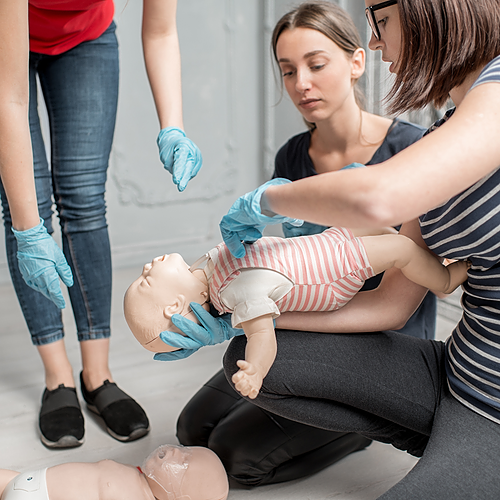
[80,89]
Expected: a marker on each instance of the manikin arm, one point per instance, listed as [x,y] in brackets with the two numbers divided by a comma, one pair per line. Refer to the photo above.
[260,353]
[416,263]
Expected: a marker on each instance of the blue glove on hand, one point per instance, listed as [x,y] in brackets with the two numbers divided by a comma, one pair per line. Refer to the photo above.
[212,331]
[179,155]
[42,262]
[353,165]
[307,229]
[245,221]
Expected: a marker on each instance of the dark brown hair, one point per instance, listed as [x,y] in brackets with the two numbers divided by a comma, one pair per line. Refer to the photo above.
[330,20]
[442,42]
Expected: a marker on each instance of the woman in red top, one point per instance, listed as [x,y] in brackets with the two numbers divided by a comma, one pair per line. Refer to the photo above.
[71,47]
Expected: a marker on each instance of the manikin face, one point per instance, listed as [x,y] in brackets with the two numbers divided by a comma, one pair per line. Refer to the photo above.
[390,34]
[185,473]
[165,287]
[318,75]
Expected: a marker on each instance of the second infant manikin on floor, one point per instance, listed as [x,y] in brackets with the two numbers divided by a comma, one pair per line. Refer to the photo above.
[170,472]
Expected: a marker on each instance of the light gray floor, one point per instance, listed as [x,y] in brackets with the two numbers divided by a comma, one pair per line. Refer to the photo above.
[163,389]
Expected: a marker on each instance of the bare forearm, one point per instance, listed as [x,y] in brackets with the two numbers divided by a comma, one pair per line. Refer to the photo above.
[163,61]
[16,166]
[386,308]
[16,161]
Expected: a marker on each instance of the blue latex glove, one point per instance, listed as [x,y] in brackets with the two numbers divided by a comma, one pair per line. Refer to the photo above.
[353,165]
[308,228]
[42,262]
[211,331]
[245,221]
[179,155]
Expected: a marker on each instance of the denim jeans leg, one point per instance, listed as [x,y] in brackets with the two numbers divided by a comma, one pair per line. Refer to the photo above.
[80,88]
[42,317]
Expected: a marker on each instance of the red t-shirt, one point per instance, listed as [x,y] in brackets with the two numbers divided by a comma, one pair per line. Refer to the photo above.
[59,25]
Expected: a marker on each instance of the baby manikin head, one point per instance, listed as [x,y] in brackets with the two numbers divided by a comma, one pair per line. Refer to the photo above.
[185,473]
[165,287]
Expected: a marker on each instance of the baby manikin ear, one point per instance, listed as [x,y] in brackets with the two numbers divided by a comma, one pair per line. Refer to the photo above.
[176,308]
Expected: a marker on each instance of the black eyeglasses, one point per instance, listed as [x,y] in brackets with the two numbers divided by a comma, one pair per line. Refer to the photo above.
[372,20]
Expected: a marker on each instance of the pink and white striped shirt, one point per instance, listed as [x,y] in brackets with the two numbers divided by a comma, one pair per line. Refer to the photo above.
[326,269]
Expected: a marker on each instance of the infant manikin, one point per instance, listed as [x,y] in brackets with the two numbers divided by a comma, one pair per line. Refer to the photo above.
[170,473]
[185,473]
[321,272]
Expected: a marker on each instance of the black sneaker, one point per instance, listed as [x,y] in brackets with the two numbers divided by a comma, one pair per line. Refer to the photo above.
[124,418]
[61,421]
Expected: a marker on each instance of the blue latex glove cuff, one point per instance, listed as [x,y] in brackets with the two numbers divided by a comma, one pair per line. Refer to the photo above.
[245,221]
[42,263]
[179,155]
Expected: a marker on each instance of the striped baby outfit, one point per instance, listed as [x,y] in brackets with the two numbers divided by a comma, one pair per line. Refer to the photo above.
[326,269]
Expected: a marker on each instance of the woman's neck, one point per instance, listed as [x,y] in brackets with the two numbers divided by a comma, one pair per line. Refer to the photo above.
[335,144]
[341,131]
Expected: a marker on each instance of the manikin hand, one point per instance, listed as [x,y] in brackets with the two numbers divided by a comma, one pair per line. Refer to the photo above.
[247,379]
[245,220]
[42,263]
[179,155]
[211,331]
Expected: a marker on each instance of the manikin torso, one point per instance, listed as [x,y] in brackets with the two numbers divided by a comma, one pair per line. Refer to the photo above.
[104,480]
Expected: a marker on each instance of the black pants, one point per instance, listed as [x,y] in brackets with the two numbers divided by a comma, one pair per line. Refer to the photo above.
[255,446]
[258,447]
[389,387]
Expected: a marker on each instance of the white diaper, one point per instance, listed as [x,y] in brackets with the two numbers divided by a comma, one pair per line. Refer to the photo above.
[27,486]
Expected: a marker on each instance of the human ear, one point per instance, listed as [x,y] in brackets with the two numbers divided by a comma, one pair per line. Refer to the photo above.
[177,307]
[358,63]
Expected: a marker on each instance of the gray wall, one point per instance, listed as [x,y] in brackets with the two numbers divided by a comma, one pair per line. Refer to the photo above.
[232,110]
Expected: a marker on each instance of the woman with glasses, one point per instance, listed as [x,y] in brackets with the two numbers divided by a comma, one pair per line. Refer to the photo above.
[318,51]
[70,47]
[438,401]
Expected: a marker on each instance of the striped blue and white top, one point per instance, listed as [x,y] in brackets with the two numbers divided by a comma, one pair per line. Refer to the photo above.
[468,227]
